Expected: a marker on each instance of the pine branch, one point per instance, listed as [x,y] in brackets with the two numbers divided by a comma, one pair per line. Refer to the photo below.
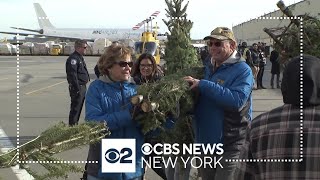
[51,142]
[288,42]
[172,96]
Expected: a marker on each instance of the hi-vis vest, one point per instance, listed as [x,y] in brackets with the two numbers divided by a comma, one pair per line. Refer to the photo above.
[244,54]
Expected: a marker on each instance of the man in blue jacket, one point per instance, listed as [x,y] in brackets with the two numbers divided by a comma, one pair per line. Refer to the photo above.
[224,108]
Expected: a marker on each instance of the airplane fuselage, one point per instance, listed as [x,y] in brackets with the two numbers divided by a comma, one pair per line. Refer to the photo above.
[111,34]
[47,29]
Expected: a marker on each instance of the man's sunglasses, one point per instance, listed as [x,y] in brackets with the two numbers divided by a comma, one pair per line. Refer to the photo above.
[216,44]
[124,63]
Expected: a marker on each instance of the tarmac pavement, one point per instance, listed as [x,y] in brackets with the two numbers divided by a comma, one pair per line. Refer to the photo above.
[45,101]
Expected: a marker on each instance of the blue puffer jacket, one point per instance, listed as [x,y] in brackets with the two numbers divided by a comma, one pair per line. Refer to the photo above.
[224,106]
[110,102]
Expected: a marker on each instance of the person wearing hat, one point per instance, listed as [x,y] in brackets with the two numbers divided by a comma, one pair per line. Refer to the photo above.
[224,109]
[289,134]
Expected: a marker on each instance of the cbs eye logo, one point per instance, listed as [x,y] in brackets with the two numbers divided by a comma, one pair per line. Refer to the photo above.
[118,155]
[112,155]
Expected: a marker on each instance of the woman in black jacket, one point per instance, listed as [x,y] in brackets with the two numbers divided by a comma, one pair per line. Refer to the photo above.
[147,71]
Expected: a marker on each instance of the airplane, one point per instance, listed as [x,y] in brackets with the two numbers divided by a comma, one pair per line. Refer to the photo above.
[48,30]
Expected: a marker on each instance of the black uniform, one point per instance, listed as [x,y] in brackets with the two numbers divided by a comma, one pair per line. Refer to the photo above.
[77,76]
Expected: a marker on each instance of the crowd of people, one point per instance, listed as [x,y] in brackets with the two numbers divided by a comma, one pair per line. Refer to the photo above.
[222,113]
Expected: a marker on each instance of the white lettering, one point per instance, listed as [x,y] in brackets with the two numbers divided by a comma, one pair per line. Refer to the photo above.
[220,150]
[147,162]
[155,149]
[197,149]
[217,162]
[175,148]
[194,162]
[187,149]
[207,162]
[167,149]
[169,161]
[185,161]
[208,149]
[156,161]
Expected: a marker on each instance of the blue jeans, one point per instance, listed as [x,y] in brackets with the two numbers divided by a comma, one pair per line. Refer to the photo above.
[94,178]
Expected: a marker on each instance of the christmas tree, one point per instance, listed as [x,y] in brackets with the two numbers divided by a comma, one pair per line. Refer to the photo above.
[171,96]
[179,53]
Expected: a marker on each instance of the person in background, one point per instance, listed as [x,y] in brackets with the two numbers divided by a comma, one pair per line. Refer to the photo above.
[252,59]
[262,64]
[224,108]
[243,49]
[275,68]
[146,70]
[108,101]
[289,134]
[204,56]
[78,77]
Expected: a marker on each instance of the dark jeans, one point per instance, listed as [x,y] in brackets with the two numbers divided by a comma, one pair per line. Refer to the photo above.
[260,76]
[77,100]
[272,80]
[225,173]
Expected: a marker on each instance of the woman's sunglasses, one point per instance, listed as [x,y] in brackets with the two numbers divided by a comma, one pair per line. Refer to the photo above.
[124,63]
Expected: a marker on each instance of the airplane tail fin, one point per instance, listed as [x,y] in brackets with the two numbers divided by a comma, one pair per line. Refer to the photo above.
[43,20]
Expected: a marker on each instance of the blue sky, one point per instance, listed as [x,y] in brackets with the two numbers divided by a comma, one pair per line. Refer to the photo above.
[206,14]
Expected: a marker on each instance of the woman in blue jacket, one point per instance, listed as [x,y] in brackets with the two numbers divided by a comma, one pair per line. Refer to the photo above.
[108,101]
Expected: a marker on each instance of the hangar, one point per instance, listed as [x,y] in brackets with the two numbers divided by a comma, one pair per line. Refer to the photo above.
[252,31]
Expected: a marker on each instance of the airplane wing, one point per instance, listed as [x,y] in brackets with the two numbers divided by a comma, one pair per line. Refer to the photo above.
[41,35]
[20,34]
[40,31]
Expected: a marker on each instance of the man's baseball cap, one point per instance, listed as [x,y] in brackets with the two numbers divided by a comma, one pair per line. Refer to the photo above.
[221,33]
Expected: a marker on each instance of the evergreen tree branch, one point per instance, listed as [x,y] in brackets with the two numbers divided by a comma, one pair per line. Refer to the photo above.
[56,139]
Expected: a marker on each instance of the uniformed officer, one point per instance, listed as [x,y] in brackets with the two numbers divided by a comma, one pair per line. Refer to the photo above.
[77,76]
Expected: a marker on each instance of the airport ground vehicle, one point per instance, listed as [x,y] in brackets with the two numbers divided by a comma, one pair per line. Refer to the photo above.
[55,49]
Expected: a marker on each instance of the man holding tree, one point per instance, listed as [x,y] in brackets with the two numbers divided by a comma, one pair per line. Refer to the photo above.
[224,108]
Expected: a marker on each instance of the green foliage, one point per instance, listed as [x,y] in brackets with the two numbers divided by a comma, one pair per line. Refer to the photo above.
[179,54]
[56,139]
[172,94]
[290,40]
[54,170]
